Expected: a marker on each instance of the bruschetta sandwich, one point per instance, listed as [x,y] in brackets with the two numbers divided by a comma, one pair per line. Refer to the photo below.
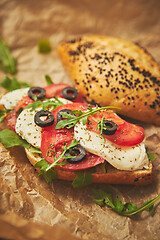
[66,137]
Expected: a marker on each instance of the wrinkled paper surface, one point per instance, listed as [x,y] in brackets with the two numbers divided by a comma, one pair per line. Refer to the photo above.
[29,207]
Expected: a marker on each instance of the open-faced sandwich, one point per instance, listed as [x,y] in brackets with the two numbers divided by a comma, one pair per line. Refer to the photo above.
[113,71]
[66,138]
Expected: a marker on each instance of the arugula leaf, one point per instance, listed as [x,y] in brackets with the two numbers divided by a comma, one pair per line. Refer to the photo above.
[2,115]
[71,119]
[48,80]
[118,205]
[35,150]
[45,104]
[83,179]
[7,63]
[10,139]
[47,167]
[12,84]
[151,156]
[48,175]
[44,46]
[102,198]
[128,209]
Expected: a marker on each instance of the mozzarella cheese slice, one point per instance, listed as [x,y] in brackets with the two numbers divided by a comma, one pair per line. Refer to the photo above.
[123,158]
[10,99]
[26,127]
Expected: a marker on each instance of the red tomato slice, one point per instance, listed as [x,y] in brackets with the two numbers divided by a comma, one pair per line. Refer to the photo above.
[53,90]
[25,101]
[53,142]
[72,106]
[127,134]
[52,145]
[10,119]
[56,90]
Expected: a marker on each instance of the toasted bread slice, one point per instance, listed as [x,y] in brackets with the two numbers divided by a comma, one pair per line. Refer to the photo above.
[112,176]
[115,72]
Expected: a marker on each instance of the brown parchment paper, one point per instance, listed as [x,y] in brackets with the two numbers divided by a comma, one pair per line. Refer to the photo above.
[29,207]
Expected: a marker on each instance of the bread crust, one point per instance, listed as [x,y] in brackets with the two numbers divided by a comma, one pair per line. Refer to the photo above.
[113,176]
[115,72]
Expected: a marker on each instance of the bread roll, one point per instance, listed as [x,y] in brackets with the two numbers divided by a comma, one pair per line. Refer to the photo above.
[112,176]
[111,71]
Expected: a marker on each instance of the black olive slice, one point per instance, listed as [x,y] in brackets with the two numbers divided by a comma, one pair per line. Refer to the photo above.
[44,123]
[109,127]
[80,154]
[36,92]
[59,116]
[70,93]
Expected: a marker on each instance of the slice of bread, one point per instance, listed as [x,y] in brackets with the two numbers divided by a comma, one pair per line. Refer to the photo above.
[112,176]
[115,72]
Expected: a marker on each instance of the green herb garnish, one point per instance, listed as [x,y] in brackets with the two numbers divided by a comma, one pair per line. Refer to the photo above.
[10,139]
[2,115]
[65,149]
[103,198]
[45,167]
[48,80]
[7,63]
[44,46]
[48,175]
[83,179]
[151,156]
[70,120]
[12,84]
[46,103]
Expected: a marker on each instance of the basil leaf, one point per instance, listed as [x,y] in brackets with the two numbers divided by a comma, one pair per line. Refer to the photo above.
[10,139]
[44,46]
[7,63]
[83,179]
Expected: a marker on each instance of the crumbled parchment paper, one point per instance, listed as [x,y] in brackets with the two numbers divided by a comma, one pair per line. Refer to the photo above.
[29,207]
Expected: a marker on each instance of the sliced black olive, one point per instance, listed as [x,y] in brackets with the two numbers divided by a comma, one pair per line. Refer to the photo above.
[36,92]
[109,127]
[59,116]
[44,123]
[70,93]
[80,154]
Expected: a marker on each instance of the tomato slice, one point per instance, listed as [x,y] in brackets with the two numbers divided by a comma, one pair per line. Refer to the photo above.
[10,119]
[56,90]
[53,90]
[52,142]
[72,106]
[127,134]
[25,101]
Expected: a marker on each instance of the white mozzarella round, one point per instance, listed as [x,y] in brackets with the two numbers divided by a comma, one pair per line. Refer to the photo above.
[10,99]
[26,127]
[123,158]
